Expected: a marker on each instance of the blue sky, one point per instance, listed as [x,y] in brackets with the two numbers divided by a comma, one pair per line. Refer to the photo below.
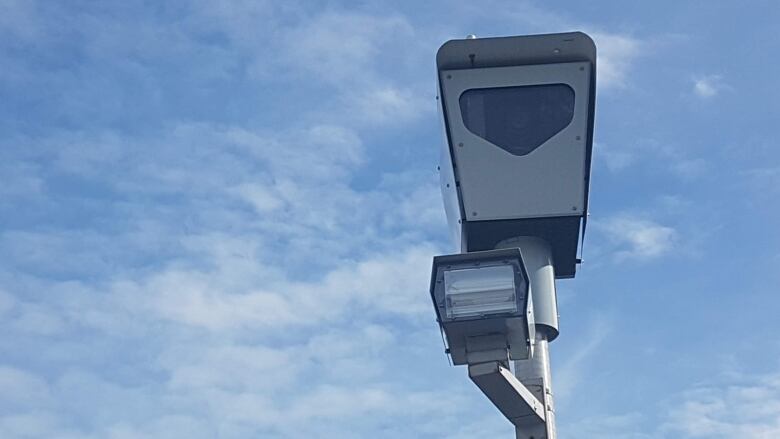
[217,220]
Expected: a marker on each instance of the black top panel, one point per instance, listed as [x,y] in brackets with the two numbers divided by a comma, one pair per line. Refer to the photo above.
[515,51]
[562,233]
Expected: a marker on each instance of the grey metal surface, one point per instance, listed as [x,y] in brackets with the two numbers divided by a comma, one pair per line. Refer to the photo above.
[534,374]
[516,329]
[563,232]
[508,394]
[495,184]
[537,259]
[516,50]
[487,348]
[475,53]
[450,192]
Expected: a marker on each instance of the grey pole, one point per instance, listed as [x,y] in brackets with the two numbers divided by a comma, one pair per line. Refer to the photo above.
[534,373]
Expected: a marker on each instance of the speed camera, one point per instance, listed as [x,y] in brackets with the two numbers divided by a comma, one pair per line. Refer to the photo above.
[518,122]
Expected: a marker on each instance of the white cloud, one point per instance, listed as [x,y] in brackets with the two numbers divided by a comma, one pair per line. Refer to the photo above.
[423,207]
[231,367]
[351,355]
[707,87]
[689,167]
[298,185]
[616,55]
[610,426]
[28,317]
[389,105]
[674,158]
[353,53]
[296,181]
[746,410]
[238,278]
[342,47]
[262,198]
[35,424]
[570,371]
[746,407]
[382,284]
[633,237]
[7,303]
[188,298]
[616,51]
[616,159]
[764,180]
[36,319]
[21,180]
[23,389]
[163,427]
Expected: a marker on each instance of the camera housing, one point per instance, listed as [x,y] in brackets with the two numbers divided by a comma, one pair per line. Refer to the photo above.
[518,116]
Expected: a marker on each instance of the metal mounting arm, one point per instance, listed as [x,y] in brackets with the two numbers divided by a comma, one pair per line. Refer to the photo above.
[508,394]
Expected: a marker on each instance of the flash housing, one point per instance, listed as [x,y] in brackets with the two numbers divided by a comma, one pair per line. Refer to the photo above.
[483,296]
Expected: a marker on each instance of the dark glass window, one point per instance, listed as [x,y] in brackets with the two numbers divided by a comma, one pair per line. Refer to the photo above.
[518,119]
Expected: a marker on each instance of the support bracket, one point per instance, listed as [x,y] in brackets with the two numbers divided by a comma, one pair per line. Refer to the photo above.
[507,393]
